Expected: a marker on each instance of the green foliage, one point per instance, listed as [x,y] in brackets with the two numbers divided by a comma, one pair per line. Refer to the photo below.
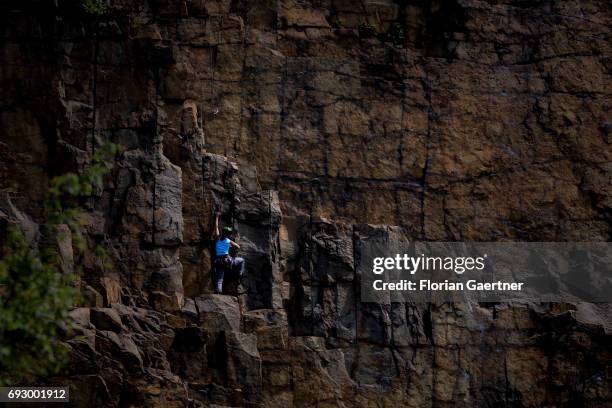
[94,7]
[35,296]
[67,191]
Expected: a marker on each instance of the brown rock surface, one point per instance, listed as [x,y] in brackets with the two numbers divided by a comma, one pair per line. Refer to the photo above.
[486,120]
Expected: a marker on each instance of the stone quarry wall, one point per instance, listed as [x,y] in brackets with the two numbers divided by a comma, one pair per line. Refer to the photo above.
[485,120]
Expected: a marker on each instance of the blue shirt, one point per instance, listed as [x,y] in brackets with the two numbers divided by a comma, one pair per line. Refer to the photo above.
[222,247]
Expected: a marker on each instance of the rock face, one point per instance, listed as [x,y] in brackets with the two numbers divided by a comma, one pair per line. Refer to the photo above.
[455,120]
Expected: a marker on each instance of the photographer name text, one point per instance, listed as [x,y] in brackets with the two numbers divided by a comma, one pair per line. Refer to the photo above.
[411,264]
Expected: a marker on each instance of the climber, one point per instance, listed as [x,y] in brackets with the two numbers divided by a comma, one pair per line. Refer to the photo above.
[225,263]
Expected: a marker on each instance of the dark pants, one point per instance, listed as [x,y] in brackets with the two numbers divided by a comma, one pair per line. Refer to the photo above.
[234,267]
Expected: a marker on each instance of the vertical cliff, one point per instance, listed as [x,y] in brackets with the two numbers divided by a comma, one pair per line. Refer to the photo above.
[313,126]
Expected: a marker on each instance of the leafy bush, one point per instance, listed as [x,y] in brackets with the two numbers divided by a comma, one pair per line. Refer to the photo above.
[67,191]
[35,297]
[94,7]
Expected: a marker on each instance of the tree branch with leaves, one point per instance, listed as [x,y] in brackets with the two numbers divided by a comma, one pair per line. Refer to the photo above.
[35,297]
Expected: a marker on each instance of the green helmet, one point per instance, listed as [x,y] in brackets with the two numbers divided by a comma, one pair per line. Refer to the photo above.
[227,230]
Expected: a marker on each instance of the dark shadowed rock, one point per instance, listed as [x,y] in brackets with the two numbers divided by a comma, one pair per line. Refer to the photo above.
[106,319]
[218,313]
[189,308]
[243,363]
[120,345]
[91,297]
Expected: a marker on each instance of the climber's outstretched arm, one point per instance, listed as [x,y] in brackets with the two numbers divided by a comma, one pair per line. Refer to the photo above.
[235,245]
[215,233]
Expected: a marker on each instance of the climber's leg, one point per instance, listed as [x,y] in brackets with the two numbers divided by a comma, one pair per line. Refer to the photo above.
[238,266]
[219,272]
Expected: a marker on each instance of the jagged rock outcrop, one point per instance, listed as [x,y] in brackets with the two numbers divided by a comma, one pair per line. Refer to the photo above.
[454,120]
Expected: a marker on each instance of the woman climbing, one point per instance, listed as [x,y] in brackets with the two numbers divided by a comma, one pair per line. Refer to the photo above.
[225,263]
